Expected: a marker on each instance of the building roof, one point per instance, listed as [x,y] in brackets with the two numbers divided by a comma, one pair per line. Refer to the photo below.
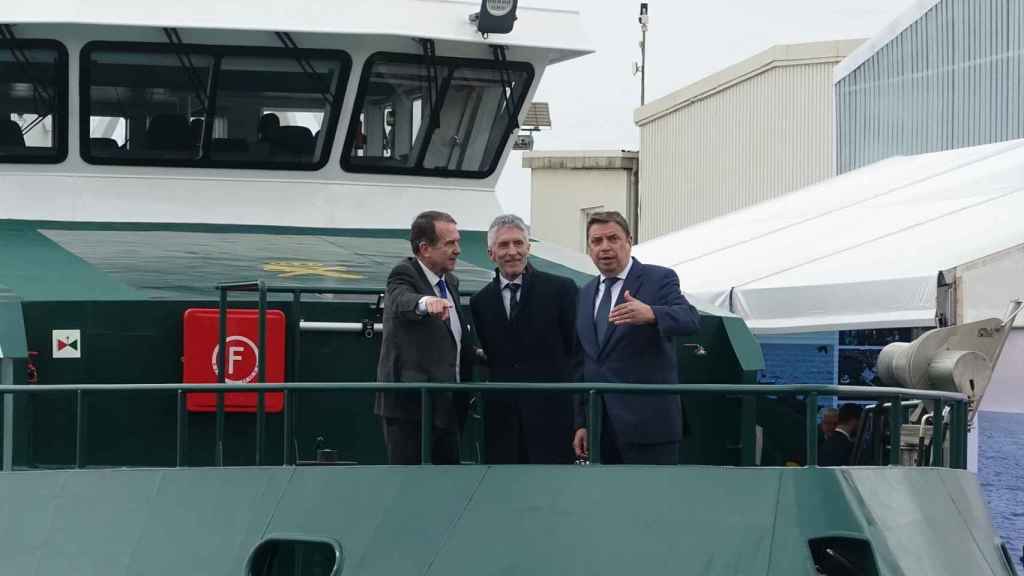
[551,24]
[581,159]
[869,47]
[774,57]
[862,250]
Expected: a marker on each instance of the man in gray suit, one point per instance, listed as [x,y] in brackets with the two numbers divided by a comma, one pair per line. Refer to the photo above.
[426,339]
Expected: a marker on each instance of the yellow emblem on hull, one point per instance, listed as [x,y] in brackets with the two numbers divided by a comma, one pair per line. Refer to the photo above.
[290,269]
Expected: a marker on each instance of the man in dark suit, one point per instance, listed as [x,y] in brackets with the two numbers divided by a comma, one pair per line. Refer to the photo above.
[626,319]
[526,323]
[426,339]
[838,447]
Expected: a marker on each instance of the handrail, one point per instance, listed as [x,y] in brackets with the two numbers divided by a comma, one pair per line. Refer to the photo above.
[731,389]
[594,391]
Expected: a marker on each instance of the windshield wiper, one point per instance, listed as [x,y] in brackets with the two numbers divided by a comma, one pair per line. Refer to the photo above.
[507,86]
[185,60]
[307,67]
[39,89]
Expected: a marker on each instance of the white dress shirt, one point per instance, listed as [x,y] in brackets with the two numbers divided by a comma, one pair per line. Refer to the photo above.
[506,294]
[453,314]
[616,289]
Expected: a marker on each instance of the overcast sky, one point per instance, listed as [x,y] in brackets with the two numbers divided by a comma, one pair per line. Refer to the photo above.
[593,98]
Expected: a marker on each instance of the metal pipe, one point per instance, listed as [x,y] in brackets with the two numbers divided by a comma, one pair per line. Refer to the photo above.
[426,427]
[222,322]
[482,406]
[79,429]
[348,327]
[895,430]
[260,420]
[811,421]
[287,425]
[296,315]
[218,455]
[182,430]
[937,436]
[261,342]
[7,381]
[595,411]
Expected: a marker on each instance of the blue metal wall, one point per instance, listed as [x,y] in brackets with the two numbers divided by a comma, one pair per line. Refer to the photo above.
[953,78]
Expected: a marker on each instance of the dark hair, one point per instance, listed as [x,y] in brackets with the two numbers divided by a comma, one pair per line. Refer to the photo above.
[609,217]
[424,228]
[849,412]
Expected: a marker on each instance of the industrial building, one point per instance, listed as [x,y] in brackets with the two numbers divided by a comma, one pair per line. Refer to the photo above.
[946,74]
[566,187]
[749,133]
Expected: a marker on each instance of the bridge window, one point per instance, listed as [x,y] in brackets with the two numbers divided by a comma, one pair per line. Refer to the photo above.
[33,101]
[434,116]
[210,106]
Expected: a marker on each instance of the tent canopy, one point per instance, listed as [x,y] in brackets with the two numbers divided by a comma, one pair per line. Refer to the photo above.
[862,250]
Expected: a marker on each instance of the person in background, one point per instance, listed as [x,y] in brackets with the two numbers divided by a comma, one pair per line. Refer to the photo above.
[626,319]
[525,321]
[425,333]
[837,449]
[829,418]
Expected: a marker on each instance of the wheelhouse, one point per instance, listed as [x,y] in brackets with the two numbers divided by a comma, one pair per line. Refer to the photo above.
[210,116]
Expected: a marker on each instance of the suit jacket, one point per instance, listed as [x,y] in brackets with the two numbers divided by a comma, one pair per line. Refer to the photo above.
[538,344]
[421,348]
[638,355]
[835,450]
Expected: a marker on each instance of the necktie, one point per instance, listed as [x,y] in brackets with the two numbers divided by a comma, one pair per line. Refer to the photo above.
[601,318]
[513,300]
[442,288]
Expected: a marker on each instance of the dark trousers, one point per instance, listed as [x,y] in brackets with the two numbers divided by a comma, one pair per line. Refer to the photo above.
[517,434]
[613,451]
[402,438]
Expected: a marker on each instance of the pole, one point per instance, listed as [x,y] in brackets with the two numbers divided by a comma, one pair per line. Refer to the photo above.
[643,65]
[643,52]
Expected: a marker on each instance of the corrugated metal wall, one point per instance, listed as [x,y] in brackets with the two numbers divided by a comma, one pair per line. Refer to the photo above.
[753,141]
[952,79]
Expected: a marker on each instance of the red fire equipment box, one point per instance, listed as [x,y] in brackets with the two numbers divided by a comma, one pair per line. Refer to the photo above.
[202,333]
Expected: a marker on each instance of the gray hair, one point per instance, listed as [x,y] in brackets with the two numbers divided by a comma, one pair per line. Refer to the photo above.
[503,221]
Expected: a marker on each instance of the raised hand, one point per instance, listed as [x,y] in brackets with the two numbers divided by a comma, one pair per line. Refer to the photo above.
[631,312]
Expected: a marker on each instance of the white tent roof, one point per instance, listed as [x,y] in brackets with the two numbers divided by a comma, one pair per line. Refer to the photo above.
[862,250]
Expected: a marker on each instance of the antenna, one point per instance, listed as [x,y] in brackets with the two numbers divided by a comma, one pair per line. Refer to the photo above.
[641,68]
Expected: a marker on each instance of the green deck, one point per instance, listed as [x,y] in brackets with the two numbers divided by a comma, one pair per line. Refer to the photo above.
[495,520]
[55,261]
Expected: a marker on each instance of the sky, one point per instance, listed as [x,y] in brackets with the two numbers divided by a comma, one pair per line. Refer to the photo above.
[592,98]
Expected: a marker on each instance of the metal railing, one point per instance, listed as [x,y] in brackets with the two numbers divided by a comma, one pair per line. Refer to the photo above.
[888,398]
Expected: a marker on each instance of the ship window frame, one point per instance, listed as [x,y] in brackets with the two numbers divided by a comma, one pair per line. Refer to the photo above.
[253,566]
[62,110]
[214,51]
[455,62]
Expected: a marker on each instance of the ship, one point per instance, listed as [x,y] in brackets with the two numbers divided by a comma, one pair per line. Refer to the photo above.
[178,177]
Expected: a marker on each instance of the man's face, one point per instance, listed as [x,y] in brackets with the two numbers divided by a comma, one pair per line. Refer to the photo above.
[441,257]
[828,423]
[509,251]
[609,247]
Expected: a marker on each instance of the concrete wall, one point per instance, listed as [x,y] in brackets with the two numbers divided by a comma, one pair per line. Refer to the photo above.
[566,186]
[752,132]
[947,74]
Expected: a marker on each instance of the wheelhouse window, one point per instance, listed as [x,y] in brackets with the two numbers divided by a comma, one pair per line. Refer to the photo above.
[434,116]
[33,102]
[210,106]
